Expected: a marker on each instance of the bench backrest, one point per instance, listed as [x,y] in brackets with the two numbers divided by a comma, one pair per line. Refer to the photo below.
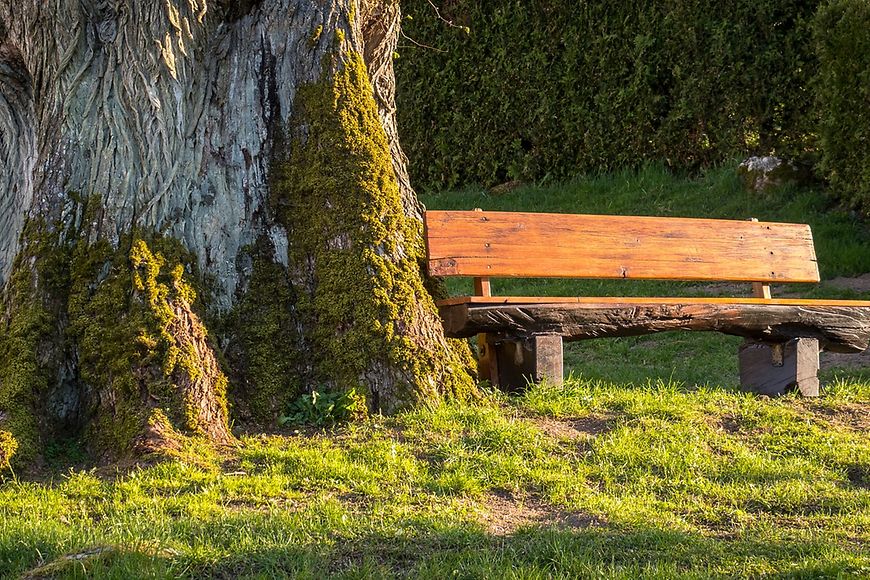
[540,245]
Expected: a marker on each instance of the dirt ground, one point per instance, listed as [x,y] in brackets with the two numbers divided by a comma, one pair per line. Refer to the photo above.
[506,513]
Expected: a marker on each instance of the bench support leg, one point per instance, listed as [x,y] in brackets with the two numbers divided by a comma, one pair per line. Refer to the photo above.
[487,362]
[777,368]
[511,363]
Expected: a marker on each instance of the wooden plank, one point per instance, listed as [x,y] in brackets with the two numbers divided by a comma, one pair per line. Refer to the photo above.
[838,328]
[632,300]
[482,287]
[487,361]
[548,358]
[761,290]
[511,244]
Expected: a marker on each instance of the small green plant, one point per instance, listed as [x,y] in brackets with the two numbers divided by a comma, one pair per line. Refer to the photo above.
[64,451]
[323,408]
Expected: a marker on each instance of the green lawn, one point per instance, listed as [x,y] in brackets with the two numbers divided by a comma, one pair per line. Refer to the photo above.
[648,462]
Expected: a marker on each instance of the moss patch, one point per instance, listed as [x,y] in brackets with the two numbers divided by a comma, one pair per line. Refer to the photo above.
[370,322]
[8,448]
[28,317]
[265,344]
[124,316]
[141,348]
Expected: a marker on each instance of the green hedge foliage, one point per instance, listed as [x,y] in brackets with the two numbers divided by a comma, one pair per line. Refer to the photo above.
[539,89]
[842,35]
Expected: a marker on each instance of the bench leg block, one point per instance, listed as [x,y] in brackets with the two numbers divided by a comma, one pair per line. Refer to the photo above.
[777,368]
[487,361]
[519,361]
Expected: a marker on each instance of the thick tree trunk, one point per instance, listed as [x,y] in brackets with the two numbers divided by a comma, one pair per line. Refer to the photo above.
[248,149]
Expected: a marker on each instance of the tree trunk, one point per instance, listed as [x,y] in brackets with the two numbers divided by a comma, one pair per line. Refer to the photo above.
[171,165]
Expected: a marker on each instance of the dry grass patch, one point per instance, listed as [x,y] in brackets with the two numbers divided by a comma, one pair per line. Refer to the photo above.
[575,429]
[505,513]
[852,416]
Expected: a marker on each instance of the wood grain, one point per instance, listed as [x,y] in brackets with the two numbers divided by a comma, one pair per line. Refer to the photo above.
[528,359]
[759,289]
[630,300]
[838,328]
[512,244]
[482,287]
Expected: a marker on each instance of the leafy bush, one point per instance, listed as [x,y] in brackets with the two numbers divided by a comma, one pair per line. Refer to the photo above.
[545,88]
[842,37]
[323,408]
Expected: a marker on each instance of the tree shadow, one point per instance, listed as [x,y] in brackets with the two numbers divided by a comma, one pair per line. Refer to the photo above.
[546,552]
[421,547]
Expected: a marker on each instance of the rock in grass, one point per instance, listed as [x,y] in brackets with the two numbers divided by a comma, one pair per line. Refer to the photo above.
[763,174]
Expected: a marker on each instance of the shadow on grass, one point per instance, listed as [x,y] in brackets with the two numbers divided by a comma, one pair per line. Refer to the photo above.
[412,549]
[685,359]
[546,552]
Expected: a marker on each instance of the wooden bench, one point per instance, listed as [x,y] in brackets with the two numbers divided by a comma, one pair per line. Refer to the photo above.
[520,338]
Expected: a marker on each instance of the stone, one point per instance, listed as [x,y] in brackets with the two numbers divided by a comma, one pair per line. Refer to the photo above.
[763,174]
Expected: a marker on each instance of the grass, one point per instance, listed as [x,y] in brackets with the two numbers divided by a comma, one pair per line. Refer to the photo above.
[648,462]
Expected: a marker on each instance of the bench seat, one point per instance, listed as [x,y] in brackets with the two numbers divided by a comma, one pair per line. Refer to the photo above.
[839,325]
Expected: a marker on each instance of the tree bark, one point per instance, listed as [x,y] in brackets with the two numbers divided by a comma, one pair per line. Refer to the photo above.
[245,150]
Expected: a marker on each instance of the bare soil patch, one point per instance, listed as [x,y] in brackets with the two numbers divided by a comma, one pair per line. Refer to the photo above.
[856,283]
[839,360]
[859,475]
[855,416]
[575,429]
[506,513]
[728,424]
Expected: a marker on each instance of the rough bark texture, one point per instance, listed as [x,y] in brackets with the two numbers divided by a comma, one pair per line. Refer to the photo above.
[142,122]
[838,329]
[167,109]
[17,148]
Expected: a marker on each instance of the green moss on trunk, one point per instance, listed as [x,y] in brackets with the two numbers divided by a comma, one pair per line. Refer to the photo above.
[122,318]
[8,449]
[28,336]
[141,347]
[264,351]
[355,254]
[22,379]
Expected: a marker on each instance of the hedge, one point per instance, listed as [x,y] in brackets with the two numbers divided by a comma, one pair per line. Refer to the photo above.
[541,89]
[842,37]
